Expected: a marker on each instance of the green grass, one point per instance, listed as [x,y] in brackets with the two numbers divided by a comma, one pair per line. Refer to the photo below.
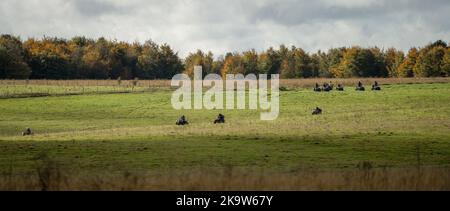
[136,132]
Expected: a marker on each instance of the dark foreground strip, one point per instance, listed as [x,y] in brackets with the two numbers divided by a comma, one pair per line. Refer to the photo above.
[214,200]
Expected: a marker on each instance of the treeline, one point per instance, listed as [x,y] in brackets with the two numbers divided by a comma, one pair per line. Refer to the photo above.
[83,58]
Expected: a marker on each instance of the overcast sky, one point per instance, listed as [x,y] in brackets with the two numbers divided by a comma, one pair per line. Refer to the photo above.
[234,25]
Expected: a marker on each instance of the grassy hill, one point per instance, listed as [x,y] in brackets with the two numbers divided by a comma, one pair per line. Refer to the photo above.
[402,126]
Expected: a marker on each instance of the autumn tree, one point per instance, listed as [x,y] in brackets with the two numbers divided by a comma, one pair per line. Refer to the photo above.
[287,68]
[429,61]
[232,65]
[406,67]
[94,64]
[84,58]
[296,63]
[334,60]
[199,58]
[393,60]
[349,66]
[117,61]
[360,62]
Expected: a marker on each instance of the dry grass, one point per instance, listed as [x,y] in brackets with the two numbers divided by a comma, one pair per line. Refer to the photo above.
[292,83]
[87,83]
[40,88]
[50,176]
[351,82]
[226,179]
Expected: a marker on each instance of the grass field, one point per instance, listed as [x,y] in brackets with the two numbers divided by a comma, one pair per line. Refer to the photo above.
[403,128]
[42,88]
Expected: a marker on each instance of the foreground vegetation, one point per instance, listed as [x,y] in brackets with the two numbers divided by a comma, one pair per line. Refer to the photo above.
[50,177]
[394,139]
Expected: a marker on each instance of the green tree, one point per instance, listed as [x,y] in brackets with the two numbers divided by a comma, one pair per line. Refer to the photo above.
[429,61]
[169,63]
[218,65]
[296,63]
[269,62]
[12,62]
[250,62]
[287,68]
[302,64]
[148,60]
[360,62]
[445,65]
[320,65]
[378,63]
[117,61]
[438,43]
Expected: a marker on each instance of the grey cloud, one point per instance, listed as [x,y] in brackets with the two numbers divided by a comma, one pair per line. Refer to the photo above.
[96,7]
[234,25]
[290,12]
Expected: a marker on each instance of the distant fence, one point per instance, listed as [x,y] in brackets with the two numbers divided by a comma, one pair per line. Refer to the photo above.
[142,83]
[38,88]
